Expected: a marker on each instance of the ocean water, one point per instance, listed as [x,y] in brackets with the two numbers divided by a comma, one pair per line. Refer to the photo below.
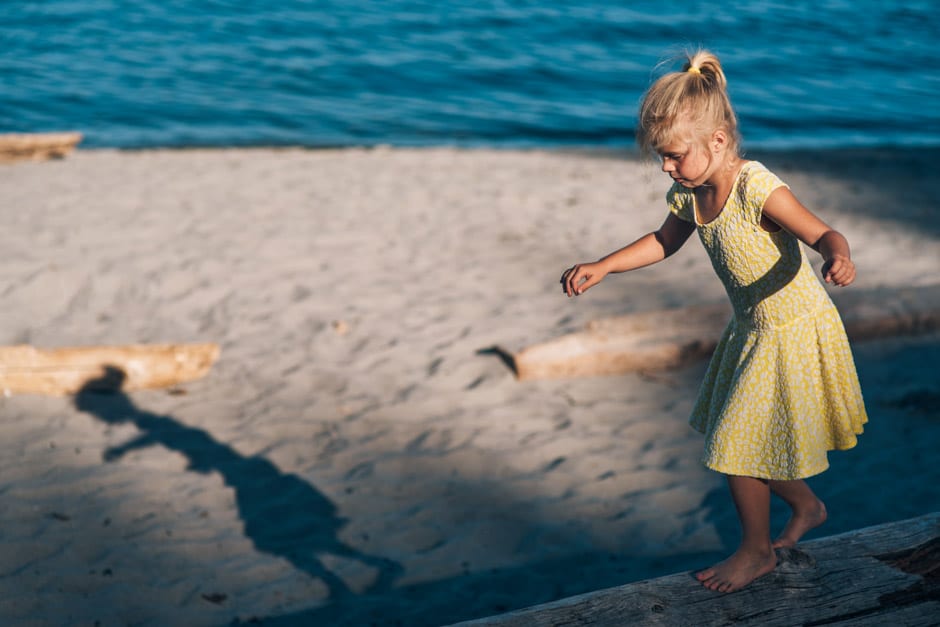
[459,72]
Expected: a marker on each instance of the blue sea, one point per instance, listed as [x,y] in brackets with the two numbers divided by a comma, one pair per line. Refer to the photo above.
[157,73]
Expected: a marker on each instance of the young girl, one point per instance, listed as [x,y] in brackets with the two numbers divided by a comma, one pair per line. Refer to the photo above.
[781,389]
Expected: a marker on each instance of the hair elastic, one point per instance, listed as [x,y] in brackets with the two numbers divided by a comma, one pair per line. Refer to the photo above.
[694,70]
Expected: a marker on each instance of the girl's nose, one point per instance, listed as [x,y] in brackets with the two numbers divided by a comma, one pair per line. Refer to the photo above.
[668,166]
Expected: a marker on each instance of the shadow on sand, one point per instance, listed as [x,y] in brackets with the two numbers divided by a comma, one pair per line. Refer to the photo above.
[287,517]
[283,514]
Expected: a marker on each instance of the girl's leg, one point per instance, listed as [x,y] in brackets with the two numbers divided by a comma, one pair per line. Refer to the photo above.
[755,557]
[808,511]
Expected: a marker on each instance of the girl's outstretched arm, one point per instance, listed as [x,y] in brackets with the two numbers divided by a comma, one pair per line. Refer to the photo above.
[785,210]
[647,250]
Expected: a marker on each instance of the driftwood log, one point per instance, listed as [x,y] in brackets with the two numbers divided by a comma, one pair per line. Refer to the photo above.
[676,337]
[36,146]
[884,575]
[29,370]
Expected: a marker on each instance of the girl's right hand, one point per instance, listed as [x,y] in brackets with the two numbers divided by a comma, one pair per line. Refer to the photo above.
[581,277]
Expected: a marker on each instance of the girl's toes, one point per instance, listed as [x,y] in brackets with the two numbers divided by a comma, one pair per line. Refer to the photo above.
[704,575]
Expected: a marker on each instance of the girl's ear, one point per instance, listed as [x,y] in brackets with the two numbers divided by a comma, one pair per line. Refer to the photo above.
[719,141]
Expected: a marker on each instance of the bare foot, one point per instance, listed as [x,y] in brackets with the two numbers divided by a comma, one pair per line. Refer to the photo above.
[738,570]
[800,523]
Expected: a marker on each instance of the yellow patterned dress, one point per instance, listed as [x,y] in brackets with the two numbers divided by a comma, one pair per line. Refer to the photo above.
[781,389]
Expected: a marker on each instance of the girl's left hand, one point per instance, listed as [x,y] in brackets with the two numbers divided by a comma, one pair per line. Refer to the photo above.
[839,270]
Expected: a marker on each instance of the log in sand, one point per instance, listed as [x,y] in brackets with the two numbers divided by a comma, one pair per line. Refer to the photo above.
[675,337]
[881,575]
[29,370]
[36,146]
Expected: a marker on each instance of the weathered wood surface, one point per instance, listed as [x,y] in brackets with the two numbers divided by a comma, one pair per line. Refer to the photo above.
[884,575]
[36,146]
[671,338]
[29,370]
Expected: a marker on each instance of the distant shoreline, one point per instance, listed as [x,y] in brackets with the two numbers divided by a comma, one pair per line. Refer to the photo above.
[619,151]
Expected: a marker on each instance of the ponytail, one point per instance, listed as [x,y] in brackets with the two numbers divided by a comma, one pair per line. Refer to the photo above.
[705,64]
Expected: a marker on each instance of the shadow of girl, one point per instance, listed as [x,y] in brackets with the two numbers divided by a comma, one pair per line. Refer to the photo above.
[283,514]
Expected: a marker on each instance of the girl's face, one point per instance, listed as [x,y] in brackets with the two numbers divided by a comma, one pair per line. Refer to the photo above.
[688,163]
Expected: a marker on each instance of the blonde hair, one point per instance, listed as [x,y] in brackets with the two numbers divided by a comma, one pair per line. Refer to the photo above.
[688,105]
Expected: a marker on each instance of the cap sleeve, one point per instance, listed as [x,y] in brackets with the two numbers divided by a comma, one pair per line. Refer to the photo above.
[757,186]
[679,201]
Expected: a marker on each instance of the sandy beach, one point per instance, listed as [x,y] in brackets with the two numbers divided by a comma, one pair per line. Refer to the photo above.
[358,455]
